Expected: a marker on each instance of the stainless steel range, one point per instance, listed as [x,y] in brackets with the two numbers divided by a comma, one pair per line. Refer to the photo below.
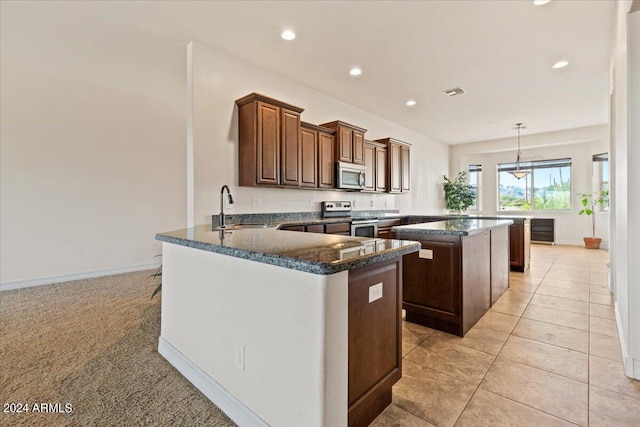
[360,226]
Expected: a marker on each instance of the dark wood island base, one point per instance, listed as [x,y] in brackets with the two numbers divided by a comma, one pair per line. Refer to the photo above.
[461,270]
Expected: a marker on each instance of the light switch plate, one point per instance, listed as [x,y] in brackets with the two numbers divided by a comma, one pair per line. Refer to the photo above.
[375,292]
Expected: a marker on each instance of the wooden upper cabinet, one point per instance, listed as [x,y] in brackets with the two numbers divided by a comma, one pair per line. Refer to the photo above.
[370,167]
[317,156]
[269,142]
[358,147]
[349,142]
[405,162]
[290,145]
[308,156]
[381,168]
[398,165]
[345,145]
[375,162]
[326,156]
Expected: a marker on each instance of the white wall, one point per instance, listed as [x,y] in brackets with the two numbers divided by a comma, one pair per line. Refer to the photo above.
[625,272]
[292,324]
[93,139]
[220,79]
[577,144]
[93,144]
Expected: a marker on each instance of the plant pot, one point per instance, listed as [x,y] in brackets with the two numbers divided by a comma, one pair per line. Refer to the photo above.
[592,242]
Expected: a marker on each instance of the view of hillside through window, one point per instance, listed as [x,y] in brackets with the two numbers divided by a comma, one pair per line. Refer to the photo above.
[547,188]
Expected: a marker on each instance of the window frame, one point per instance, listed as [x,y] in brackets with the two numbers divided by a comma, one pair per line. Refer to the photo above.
[532,166]
[477,169]
[601,159]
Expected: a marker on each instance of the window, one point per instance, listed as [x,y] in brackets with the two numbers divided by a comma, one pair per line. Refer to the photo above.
[475,178]
[547,188]
[601,175]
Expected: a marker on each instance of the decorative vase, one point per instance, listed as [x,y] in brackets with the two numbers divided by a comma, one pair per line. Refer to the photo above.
[592,242]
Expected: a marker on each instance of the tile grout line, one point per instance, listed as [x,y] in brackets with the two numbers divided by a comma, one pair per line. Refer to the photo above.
[508,398]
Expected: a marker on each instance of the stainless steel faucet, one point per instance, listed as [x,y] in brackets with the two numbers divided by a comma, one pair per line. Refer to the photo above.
[221,219]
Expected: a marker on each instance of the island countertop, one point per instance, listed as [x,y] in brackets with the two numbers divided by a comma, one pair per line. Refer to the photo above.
[453,227]
[309,252]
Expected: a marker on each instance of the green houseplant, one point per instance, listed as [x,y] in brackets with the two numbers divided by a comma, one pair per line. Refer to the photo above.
[458,194]
[589,202]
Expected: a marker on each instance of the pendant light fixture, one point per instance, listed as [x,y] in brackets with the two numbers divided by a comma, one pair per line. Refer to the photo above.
[519,173]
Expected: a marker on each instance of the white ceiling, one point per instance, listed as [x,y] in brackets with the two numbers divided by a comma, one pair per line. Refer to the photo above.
[500,52]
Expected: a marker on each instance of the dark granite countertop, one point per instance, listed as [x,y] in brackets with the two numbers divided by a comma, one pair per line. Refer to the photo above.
[309,252]
[453,227]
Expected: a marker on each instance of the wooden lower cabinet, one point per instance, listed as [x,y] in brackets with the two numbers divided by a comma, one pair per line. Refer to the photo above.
[452,282]
[375,339]
[342,228]
[385,228]
[520,243]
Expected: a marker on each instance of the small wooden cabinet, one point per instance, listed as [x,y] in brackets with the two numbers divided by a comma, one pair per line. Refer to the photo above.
[398,165]
[269,142]
[385,226]
[543,230]
[453,281]
[519,248]
[308,156]
[349,142]
[317,156]
[375,163]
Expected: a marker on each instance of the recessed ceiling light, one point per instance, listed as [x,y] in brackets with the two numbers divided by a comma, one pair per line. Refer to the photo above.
[454,91]
[288,35]
[411,103]
[540,2]
[355,71]
[560,64]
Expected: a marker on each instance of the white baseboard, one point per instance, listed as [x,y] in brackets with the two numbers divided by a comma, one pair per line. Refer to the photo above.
[229,404]
[18,284]
[631,365]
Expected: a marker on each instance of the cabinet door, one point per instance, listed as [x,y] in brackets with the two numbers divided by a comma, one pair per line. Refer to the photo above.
[290,131]
[375,337]
[268,144]
[381,169]
[395,169]
[345,144]
[358,147]
[405,160]
[370,167]
[309,158]
[326,161]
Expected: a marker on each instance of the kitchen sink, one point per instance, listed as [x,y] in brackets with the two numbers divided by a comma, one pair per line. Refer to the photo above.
[239,226]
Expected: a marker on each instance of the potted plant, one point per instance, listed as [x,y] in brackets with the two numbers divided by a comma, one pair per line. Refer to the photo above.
[458,194]
[589,202]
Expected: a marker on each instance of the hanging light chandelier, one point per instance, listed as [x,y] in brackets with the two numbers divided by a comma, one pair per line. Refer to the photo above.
[519,173]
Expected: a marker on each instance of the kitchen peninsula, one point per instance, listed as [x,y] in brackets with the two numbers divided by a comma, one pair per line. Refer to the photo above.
[284,328]
[460,271]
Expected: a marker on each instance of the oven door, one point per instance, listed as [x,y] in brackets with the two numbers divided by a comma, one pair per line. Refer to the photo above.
[367,228]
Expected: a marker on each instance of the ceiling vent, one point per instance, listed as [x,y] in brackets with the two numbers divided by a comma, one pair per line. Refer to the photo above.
[454,91]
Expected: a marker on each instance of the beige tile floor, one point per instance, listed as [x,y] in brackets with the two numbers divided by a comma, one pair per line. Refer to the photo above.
[546,354]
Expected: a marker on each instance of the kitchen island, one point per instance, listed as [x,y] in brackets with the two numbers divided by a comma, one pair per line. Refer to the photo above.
[461,269]
[284,328]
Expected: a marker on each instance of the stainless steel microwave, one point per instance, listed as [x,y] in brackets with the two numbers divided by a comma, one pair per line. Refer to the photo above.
[349,176]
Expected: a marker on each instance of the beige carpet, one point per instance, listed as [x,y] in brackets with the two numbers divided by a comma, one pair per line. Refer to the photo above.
[93,344]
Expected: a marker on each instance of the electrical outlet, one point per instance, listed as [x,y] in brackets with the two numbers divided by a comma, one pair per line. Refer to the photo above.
[310,203]
[239,356]
[386,203]
[257,203]
[370,203]
[353,203]
[375,292]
